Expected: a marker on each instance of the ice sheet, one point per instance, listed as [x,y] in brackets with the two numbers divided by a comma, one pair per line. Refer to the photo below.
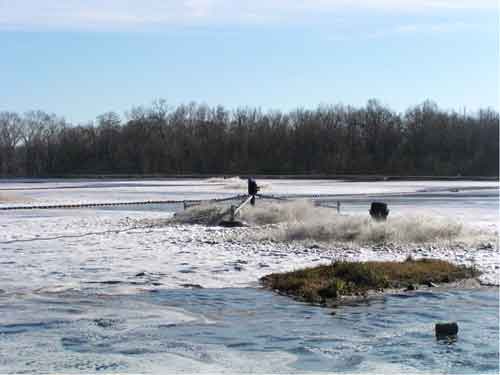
[37,192]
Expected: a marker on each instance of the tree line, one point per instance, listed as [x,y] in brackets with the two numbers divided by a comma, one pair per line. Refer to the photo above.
[196,138]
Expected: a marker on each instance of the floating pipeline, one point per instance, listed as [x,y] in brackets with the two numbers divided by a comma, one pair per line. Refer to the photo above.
[134,203]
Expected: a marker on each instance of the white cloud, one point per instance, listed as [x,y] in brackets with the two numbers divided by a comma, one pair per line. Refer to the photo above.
[139,14]
[428,28]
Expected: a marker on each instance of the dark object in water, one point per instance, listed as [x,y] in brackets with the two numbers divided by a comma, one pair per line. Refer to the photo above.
[446,330]
[253,189]
[192,286]
[379,211]
[430,284]
[231,224]
[411,287]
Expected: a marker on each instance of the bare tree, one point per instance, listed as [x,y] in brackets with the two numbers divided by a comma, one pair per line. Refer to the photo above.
[10,137]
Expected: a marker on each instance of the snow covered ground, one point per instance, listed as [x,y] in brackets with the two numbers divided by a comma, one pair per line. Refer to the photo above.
[117,251]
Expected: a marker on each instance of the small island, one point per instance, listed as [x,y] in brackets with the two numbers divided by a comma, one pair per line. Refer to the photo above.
[342,280]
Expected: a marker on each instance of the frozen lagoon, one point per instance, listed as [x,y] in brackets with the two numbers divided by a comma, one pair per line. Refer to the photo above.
[60,266]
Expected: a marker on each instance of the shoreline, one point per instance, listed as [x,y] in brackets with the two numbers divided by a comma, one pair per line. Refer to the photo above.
[344,177]
[471,284]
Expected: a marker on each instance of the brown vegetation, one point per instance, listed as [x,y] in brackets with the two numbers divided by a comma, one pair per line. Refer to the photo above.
[330,282]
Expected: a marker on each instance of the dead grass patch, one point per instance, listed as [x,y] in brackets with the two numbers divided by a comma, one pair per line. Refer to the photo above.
[329,282]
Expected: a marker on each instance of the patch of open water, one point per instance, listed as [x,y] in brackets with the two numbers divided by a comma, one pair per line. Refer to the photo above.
[245,330]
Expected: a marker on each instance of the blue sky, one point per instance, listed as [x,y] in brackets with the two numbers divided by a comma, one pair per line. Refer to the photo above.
[82,58]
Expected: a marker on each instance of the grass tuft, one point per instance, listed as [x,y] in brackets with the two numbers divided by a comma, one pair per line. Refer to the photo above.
[323,283]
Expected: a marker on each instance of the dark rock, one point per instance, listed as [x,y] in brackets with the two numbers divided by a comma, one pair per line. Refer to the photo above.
[220,270]
[105,323]
[210,242]
[140,274]
[111,282]
[189,270]
[193,286]
[411,287]
[445,330]
[487,246]
[231,224]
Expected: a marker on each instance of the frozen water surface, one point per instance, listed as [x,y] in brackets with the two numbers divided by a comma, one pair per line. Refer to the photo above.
[86,290]
[70,191]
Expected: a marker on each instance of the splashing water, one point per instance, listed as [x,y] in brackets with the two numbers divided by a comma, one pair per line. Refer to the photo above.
[204,214]
[289,212]
[235,183]
[361,229]
[302,220]
[228,183]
